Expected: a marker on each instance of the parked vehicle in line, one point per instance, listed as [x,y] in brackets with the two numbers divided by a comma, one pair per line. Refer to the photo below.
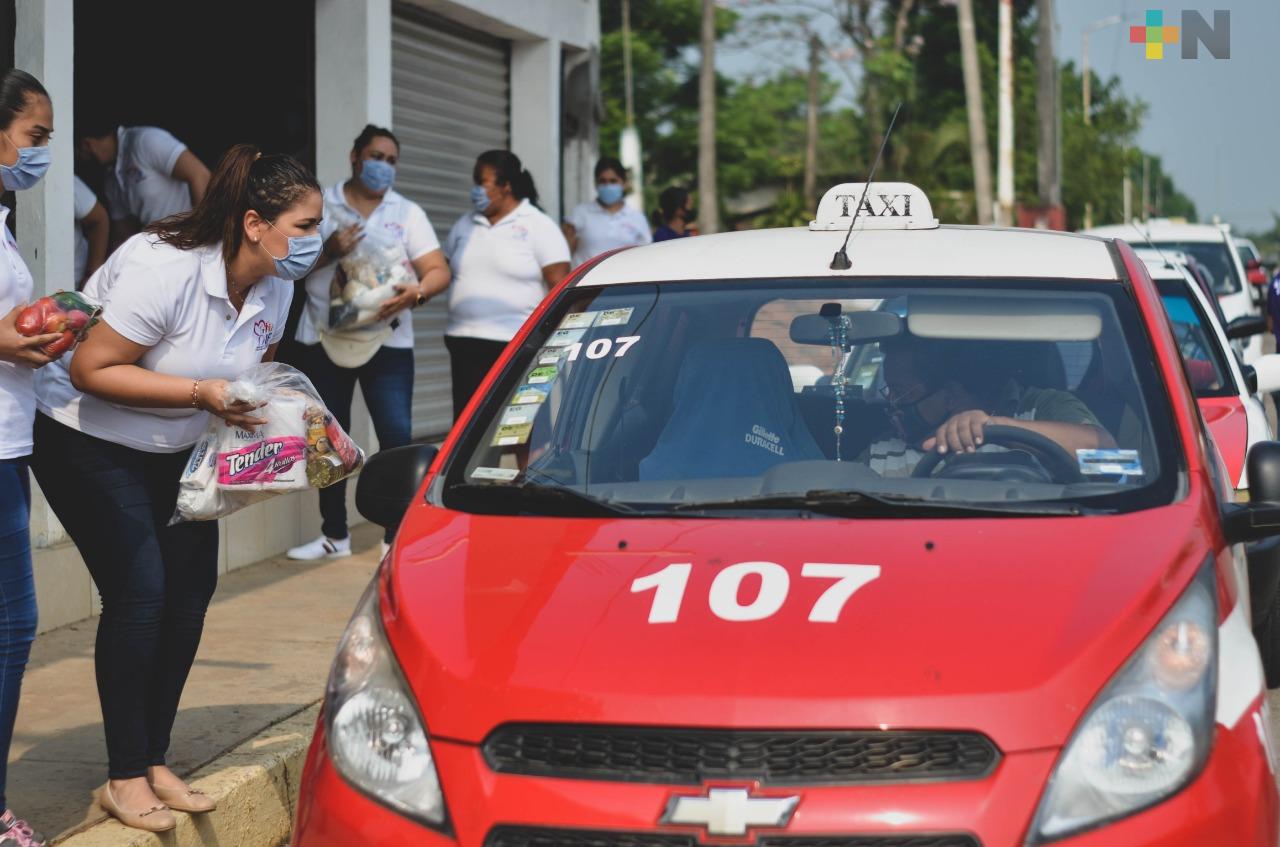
[659,587]
[1215,252]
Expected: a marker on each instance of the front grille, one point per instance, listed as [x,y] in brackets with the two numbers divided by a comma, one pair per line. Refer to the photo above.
[691,756]
[514,836]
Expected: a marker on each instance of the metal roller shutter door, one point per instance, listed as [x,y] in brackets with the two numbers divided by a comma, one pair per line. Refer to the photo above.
[450,102]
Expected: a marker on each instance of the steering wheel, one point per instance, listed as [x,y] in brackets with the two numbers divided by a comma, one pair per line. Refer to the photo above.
[1056,460]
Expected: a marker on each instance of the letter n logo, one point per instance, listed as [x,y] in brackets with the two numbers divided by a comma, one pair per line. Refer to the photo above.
[1196,30]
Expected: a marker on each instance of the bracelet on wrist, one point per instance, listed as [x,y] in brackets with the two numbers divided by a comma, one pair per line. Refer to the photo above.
[195,387]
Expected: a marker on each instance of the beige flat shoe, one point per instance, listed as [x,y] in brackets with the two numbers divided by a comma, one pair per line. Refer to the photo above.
[191,800]
[155,819]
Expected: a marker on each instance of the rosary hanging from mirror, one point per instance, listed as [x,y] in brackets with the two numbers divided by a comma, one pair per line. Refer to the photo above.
[838,333]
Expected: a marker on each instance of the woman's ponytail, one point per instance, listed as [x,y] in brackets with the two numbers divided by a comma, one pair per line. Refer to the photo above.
[244,179]
[525,189]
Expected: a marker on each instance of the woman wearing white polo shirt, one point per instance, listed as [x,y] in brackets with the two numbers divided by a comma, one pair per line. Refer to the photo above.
[188,305]
[380,357]
[505,256]
[607,222]
[150,174]
[26,121]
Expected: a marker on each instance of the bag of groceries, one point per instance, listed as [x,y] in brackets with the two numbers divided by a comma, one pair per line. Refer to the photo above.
[366,277]
[300,446]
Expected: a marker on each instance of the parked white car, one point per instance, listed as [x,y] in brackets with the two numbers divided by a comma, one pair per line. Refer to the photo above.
[1214,249]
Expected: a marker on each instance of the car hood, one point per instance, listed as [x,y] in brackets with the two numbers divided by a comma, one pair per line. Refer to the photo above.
[1006,626]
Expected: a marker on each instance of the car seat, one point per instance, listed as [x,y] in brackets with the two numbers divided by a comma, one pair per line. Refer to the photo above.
[733,414]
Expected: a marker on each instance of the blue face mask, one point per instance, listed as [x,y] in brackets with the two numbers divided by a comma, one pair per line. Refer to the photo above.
[26,172]
[377,175]
[479,198]
[304,250]
[610,193]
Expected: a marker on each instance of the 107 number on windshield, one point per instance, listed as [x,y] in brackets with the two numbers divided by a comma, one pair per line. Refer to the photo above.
[668,586]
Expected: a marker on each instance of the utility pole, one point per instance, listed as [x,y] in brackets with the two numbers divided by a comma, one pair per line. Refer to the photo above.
[1146,187]
[1004,187]
[1126,187]
[811,136]
[979,151]
[1086,82]
[1048,178]
[708,201]
[629,148]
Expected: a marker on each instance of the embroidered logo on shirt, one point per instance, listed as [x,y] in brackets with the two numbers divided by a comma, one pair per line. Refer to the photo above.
[262,329]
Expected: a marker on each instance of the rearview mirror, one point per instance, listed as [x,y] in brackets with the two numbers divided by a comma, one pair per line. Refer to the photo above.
[1246,326]
[389,482]
[860,328]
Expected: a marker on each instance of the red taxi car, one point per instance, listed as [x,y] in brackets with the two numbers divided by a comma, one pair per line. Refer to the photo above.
[981,584]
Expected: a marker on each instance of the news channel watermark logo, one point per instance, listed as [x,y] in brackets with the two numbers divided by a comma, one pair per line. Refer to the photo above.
[1195,31]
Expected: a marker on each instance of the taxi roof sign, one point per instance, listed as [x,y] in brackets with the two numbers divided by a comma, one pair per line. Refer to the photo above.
[888,205]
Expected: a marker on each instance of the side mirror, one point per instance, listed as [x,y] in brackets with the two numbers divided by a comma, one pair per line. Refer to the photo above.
[1246,326]
[1260,517]
[390,480]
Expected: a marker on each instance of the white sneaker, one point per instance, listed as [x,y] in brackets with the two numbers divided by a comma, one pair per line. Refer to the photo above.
[321,548]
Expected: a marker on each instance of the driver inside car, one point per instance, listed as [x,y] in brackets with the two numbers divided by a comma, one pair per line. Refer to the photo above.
[942,398]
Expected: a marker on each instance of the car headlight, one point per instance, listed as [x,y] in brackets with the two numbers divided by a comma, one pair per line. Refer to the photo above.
[377,739]
[1149,732]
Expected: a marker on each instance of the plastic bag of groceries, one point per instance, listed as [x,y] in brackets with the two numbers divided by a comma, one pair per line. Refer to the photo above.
[366,277]
[300,446]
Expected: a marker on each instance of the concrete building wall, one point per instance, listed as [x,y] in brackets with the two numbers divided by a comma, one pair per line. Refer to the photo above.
[353,87]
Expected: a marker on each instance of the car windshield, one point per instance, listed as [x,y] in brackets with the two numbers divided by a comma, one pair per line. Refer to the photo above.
[1215,259]
[1204,359]
[676,397]
[1246,253]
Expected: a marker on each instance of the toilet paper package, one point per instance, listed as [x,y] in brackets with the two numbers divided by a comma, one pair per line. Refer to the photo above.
[300,446]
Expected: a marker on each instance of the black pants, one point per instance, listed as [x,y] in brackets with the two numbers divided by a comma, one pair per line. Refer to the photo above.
[386,381]
[155,580]
[469,362]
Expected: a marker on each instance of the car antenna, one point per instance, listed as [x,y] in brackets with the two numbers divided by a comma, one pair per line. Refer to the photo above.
[1147,238]
[840,261]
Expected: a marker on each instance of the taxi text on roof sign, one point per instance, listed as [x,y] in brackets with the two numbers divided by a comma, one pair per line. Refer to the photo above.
[888,205]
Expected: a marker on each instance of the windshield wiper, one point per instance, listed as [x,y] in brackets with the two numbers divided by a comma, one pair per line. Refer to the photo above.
[848,503]
[535,498]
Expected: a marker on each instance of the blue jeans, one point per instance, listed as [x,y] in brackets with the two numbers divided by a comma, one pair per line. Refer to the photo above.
[17,598]
[386,381]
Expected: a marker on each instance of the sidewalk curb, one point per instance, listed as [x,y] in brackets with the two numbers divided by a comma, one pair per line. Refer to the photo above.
[255,786]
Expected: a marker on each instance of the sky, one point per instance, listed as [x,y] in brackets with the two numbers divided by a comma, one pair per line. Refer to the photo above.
[1214,122]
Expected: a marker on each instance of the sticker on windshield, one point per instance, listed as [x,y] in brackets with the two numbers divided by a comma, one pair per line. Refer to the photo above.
[565,337]
[504,474]
[1109,462]
[512,434]
[530,394]
[513,415]
[578,320]
[551,355]
[537,376]
[615,317]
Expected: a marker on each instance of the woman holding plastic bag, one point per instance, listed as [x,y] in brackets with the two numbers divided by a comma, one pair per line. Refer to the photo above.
[381,260]
[188,305]
[26,121]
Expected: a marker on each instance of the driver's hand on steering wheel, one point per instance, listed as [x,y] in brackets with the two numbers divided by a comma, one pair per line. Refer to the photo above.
[961,433]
